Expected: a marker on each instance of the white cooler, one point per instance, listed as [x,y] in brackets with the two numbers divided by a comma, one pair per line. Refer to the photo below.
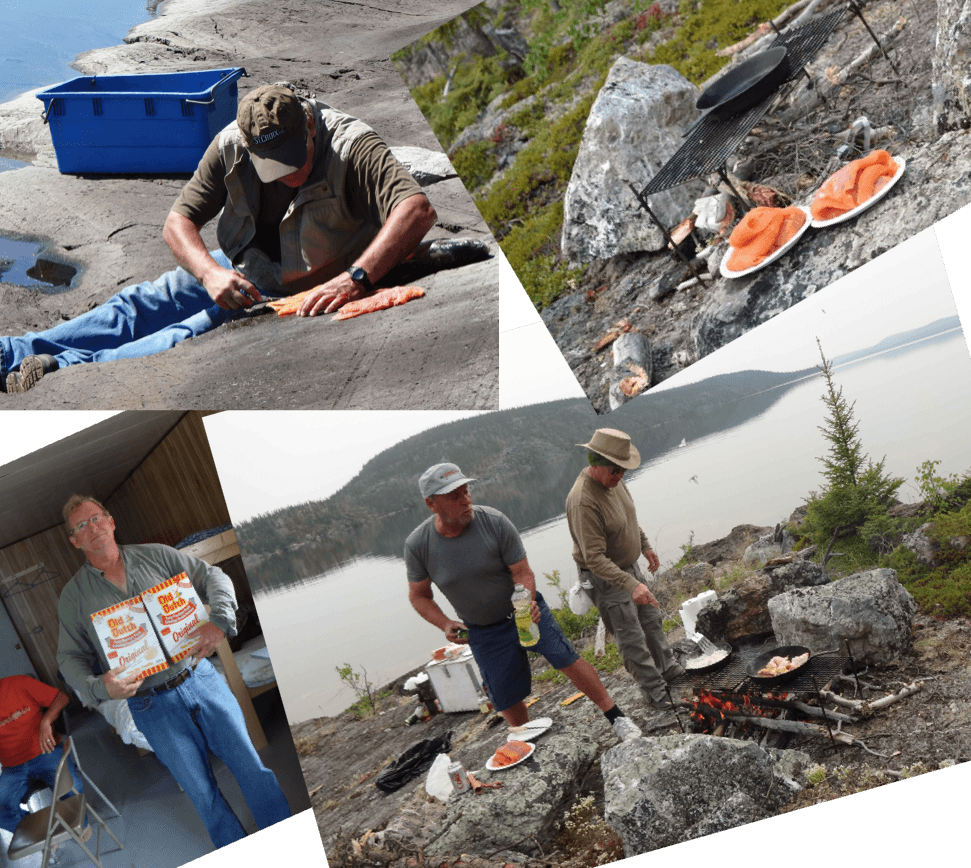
[456,682]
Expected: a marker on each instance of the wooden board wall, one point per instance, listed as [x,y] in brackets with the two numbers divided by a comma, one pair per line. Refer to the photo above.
[174,492]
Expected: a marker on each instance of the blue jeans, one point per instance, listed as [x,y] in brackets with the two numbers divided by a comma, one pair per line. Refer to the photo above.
[141,320]
[183,724]
[16,780]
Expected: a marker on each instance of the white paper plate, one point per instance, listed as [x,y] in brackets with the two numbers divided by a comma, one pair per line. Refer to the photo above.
[726,272]
[492,768]
[529,731]
[876,197]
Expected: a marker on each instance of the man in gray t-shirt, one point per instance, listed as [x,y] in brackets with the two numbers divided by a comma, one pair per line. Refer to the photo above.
[474,555]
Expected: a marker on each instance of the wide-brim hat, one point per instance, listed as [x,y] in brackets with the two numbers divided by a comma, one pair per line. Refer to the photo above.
[615,446]
[441,479]
[274,127]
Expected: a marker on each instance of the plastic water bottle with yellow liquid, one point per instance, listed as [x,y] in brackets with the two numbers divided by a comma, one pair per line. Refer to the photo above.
[528,631]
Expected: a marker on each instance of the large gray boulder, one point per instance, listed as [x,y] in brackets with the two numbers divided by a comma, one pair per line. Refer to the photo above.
[869,610]
[534,796]
[634,126]
[951,86]
[662,791]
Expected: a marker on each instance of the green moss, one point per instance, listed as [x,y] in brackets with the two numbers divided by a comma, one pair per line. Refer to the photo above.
[475,163]
[707,26]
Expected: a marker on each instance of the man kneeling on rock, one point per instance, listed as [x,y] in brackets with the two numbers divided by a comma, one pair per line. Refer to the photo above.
[475,556]
[310,199]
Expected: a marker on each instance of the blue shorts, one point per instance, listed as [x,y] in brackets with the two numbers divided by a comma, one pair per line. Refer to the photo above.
[503,662]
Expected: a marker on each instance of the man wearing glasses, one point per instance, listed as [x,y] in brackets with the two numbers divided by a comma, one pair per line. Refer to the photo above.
[607,541]
[184,711]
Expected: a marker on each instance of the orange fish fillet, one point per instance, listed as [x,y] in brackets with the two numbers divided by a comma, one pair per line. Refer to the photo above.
[853,185]
[382,299]
[760,233]
[511,752]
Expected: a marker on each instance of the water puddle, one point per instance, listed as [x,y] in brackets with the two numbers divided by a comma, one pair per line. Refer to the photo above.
[21,264]
[6,164]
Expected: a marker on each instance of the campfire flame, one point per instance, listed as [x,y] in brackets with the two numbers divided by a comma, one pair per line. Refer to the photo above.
[710,708]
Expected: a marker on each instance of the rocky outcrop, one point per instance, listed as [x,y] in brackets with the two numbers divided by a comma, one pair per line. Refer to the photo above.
[951,86]
[743,611]
[728,548]
[532,801]
[633,128]
[871,611]
[927,549]
[662,791]
[769,545]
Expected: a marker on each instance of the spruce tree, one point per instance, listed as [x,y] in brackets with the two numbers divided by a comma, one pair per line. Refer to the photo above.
[857,488]
[846,457]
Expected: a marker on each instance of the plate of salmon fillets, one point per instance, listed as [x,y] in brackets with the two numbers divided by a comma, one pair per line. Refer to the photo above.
[855,187]
[512,753]
[761,237]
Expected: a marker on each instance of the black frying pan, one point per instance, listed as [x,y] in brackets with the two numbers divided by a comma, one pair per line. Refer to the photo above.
[746,85]
[757,663]
[711,667]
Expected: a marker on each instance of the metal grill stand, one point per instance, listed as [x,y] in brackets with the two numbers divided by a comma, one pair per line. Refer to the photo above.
[710,142]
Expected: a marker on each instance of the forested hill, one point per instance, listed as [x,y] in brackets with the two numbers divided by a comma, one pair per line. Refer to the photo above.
[524,460]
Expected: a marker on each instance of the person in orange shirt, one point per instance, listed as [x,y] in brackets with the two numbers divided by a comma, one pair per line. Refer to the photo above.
[28,743]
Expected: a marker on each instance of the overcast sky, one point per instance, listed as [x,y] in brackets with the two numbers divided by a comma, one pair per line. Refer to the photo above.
[271,460]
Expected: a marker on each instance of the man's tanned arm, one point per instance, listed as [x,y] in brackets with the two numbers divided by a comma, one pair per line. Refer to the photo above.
[228,288]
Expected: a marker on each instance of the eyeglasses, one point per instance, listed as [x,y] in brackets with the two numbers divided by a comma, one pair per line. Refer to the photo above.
[81,525]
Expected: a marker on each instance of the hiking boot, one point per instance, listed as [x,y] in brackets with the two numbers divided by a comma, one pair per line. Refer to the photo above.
[676,671]
[625,729]
[437,255]
[661,703]
[32,370]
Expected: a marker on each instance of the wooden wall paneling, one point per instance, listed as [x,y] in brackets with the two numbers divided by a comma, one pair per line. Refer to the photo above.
[174,492]
[31,601]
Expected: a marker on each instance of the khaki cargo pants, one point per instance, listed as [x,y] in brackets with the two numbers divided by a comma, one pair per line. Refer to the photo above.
[637,631]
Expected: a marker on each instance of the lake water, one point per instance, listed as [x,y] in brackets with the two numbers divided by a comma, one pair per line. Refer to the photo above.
[912,405]
[42,37]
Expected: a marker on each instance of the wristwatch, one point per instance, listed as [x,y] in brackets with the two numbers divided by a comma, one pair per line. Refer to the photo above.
[359,275]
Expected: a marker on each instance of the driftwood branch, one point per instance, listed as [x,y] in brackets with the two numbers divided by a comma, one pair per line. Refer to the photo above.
[866,707]
[813,711]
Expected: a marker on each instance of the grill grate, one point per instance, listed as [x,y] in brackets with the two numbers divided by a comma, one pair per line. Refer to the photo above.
[732,675]
[711,142]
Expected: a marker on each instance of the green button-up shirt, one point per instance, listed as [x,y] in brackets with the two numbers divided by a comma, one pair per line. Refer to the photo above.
[78,647]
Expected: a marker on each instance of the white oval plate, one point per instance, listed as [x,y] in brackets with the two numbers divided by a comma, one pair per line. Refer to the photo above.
[492,768]
[529,731]
[876,197]
[726,272]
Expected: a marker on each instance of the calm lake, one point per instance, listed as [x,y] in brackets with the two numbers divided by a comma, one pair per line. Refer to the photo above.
[42,37]
[912,404]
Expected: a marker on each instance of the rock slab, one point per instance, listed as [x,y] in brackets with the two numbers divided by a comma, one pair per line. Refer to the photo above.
[662,791]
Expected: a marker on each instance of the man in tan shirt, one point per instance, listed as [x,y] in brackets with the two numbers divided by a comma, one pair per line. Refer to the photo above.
[607,541]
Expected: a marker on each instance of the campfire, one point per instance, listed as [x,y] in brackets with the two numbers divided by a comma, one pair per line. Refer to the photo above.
[727,703]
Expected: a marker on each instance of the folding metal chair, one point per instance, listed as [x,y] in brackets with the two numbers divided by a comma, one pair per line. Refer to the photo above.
[63,820]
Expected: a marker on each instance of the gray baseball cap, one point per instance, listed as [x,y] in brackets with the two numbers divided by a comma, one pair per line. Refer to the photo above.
[441,479]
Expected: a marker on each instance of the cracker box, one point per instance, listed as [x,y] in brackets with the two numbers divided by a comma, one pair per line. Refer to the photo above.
[128,639]
[176,611]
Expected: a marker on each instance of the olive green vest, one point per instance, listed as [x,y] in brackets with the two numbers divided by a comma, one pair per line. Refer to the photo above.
[318,231]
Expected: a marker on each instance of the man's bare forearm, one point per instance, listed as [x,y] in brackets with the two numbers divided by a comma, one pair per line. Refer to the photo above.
[184,239]
[430,611]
